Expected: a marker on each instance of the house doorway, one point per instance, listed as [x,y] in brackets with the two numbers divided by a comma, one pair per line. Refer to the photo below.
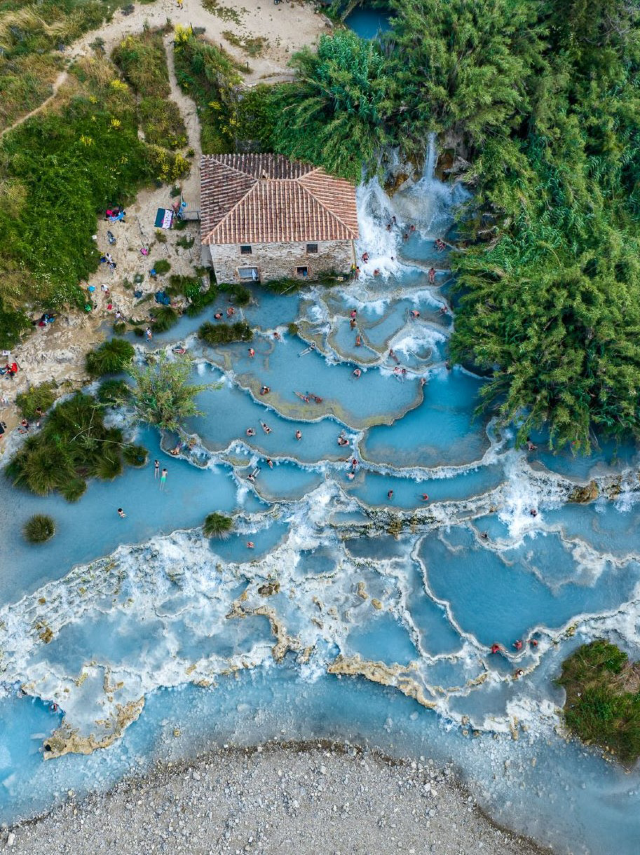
[248,274]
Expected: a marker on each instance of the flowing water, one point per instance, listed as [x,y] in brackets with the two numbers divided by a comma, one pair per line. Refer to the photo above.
[363,610]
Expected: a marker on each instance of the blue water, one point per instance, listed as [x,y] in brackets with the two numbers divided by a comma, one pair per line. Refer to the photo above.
[368,22]
[321,565]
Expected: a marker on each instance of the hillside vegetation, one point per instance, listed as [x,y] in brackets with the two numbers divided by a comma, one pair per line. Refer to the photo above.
[61,168]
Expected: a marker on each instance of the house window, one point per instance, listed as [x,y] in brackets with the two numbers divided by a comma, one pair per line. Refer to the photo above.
[312,248]
[245,250]
[249,274]
[302,272]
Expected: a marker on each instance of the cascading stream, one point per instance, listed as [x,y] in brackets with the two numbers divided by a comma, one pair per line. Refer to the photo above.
[402,569]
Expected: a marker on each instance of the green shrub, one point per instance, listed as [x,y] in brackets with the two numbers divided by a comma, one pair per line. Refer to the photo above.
[13,325]
[113,392]
[109,466]
[143,62]
[175,191]
[292,329]
[210,77]
[135,455]
[39,528]
[200,301]
[41,396]
[162,266]
[165,318]
[601,706]
[110,358]
[225,333]
[162,123]
[241,295]
[217,525]
[257,113]
[73,445]
[119,328]
[285,286]
[139,332]
[185,242]
[187,286]
[73,490]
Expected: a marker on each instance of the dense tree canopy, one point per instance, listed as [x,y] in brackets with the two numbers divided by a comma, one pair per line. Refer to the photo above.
[553,303]
[333,114]
[462,65]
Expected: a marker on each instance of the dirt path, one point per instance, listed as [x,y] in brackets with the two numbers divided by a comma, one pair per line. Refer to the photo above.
[57,83]
[286,28]
[57,352]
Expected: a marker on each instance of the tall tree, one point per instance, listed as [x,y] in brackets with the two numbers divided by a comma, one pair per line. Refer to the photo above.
[463,64]
[333,114]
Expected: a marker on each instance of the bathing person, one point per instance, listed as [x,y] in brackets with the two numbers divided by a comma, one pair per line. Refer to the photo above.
[484,535]
[24,426]
[517,644]
[365,257]
[351,475]
[264,390]
[530,445]
[218,316]
[156,468]
[443,310]
[250,544]
[252,352]
[269,463]
[376,272]
[265,427]
[276,335]
[357,372]
[352,323]
[405,236]
[148,333]
[414,313]
[533,642]
[423,381]
[121,513]
[495,648]
[519,673]
[390,494]
[250,432]
[298,434]
[358,341]
[163,479]
[533,512]
[230,312]
[353,313]
[342,440]
[425,497]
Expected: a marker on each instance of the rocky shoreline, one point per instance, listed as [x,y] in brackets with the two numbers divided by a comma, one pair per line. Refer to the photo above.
[290,799]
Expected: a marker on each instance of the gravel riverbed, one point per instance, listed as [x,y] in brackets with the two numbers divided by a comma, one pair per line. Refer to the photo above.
[285,799]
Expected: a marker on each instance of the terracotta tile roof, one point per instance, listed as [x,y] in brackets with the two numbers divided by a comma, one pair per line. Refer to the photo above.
[267,198]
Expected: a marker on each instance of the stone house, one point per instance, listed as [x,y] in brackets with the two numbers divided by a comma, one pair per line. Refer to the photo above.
[266,217]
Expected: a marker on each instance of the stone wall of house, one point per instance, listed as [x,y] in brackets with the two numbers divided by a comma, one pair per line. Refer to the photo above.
[281,260]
